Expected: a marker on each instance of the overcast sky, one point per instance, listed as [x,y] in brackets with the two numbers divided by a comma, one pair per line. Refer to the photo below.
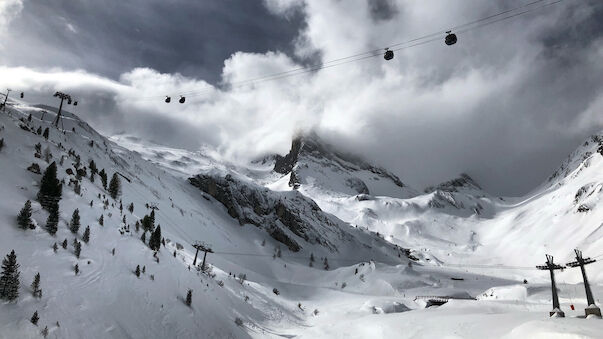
[506,104]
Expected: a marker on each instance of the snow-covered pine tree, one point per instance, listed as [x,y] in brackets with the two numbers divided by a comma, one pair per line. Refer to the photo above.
[64,244]
[52,222]
[46,133]
[189,297]
[137,271]
[44,332]
[50,188]
[101,220]
[74,225]
[24,217]
[86,236]
[326,264]
[55,247]
[115,186]
[131,207]
[76,269]
[34,318]
[143,237]
[155,240]
[103,175]
[9,279]
[93,169]
[77,248]
[35,286]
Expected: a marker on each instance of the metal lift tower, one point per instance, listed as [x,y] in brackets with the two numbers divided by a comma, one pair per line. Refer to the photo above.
[557,312]
[591,308]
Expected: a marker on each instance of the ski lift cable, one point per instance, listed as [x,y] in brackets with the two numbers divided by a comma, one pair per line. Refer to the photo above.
[373,53]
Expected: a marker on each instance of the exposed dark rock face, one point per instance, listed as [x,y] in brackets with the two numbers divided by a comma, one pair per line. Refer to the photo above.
[358,185]
[285,164]
[464,181]
[310,152]
[289,217]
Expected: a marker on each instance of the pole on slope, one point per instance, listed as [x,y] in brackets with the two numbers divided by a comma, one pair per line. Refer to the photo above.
[62,96]
[591,308]
[5,99]
[549,265]
[204,248]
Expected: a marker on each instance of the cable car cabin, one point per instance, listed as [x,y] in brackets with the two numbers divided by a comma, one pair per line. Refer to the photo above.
[388,54]
[182,99]
[450,38]
[22,95]
[167,100]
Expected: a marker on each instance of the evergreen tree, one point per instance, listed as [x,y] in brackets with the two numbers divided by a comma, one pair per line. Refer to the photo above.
[44,332]
[101,220]
[137,271]
[45,134]
[52,222]
[131,207]
[77,248]
[35,286]
[143,237]
[39,131]
[74,225]
[29,117]
[55,247]
[93,169]
[50,188]
[326,264]
[155,240]
[115,186]
[103,175]
[76,269]
[189,297]
[35,318]
[24,217]
[86,236]
[64,244]
[9,279]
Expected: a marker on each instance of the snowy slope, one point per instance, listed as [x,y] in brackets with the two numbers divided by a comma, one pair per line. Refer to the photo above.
[106,299]
[355,298]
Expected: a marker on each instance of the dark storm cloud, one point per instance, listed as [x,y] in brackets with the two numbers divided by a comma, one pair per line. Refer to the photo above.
[382,9]
[112,37]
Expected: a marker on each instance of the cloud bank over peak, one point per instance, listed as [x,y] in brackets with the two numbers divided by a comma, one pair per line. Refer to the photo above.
[506,104]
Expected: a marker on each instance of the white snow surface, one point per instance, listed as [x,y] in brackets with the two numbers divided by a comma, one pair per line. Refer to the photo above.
[461,232]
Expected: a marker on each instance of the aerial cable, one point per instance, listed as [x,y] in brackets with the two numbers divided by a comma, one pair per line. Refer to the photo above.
[378,52]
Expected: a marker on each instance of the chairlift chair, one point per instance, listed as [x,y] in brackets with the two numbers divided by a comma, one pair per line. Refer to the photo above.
[167,100]
[182,99]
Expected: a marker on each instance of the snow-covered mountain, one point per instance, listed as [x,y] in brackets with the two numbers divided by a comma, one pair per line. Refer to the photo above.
[316,165]
[315,243]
